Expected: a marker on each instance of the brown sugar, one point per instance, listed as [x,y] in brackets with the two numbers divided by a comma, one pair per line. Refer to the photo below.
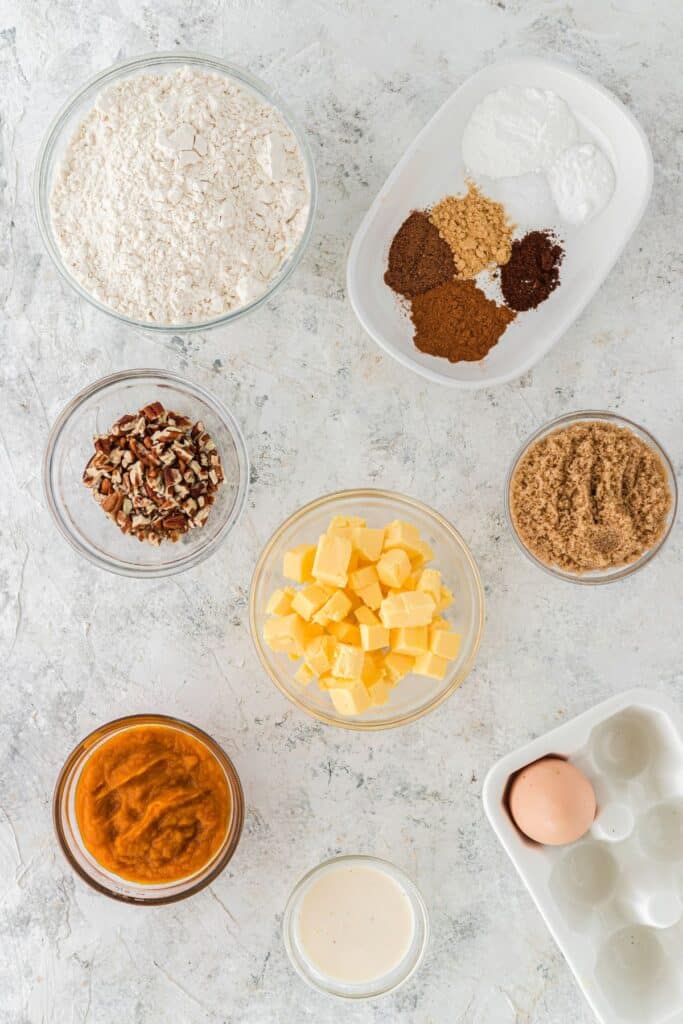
[476,228]
[590,496]
[457,321]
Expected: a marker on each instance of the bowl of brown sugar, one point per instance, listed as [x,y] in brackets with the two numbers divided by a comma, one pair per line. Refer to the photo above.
[591,497]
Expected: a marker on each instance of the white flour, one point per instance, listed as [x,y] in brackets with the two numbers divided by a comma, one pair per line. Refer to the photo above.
[581,181]
[180,197]
[517,131]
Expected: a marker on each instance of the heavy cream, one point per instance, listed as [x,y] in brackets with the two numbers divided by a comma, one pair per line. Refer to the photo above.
[355,923]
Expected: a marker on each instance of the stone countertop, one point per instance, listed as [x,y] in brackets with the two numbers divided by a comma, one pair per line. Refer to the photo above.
[322,409]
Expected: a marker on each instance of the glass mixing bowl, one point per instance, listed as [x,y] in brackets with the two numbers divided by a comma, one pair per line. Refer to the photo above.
[602,575]
[72,114]
[84,864]
[415,695]
[78,516]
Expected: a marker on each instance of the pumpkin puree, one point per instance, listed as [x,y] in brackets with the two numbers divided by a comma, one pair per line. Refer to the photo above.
[152,804]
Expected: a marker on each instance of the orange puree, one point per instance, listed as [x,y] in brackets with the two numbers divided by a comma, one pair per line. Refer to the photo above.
[152,804]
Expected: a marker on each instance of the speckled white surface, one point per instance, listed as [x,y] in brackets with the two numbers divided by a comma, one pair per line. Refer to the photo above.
[321,409]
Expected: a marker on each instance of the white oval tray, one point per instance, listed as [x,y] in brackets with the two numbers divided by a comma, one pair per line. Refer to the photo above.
[613,901]
[432,167]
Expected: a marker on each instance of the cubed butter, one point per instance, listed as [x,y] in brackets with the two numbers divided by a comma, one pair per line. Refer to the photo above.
[379,693]
[352,700]
[393,568]
[304,674]
[318,653]
[430,583]
[411,640]
[367,542]
[446,599]
[423,554]
[285,633]
[365,615]
[412,608]
[373,638]
[444,643]
[362,578]
[431,665]
[280,602]
[298,563]
[336,607]
[331,561]
[397,666]
[373,668]
[345,632]
[347,662]
[306,602]
[402,535]
[372,596]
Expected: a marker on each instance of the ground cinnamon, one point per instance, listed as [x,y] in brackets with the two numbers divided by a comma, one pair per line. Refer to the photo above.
[419,258]
[457,321]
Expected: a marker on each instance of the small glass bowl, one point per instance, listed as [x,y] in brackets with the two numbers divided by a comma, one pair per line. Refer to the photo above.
[599,575]
[381,986]
[414,696]
[85,865]
[70,445]
[72,114]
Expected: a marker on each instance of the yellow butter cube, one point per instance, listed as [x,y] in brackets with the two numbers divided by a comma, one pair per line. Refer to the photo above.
[306,602]
[364,615]
[304,674]
[362,578]
[319,652]
[285,633]
[354,600]
[367,542]
[345,632]
[373,668]
[393,568]
[379,693]
[336,607]
[331,561]
[344,522]
[444,643]
[298,563]
[352,700]
[372,596]
[430,582]
[431,665]
[402,535]
[411,640]
[372,637]
[423,554]
[446,599]
[439,623]
[397,666]
[347,662]
[280,602]
[413,608]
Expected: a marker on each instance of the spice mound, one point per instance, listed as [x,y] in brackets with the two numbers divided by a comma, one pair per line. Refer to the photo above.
[533,271]
[419,258]
[476,228]
[457,321]
[152,804]
[591,496]
[155,474]
[180,197]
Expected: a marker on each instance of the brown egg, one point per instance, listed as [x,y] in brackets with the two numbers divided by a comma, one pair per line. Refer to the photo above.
[552,802]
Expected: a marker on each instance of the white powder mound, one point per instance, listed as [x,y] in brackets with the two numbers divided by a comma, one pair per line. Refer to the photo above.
[517,131]
[582,182]
[180,197]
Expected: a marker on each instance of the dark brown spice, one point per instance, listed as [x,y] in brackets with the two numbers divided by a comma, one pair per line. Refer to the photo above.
[457,321]
[533,270]
[419,258]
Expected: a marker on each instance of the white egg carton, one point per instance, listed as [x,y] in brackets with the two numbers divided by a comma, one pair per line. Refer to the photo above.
[613,900]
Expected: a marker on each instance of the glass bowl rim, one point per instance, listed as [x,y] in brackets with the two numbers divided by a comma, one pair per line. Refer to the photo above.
[234,784]
[566,419]
[119,70]
[359,494]
[417,903]
[162,569]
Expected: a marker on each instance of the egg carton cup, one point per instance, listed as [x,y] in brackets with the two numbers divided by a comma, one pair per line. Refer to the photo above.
[613,900]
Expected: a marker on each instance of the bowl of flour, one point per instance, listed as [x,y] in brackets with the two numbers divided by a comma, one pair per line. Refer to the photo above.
[174,192]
